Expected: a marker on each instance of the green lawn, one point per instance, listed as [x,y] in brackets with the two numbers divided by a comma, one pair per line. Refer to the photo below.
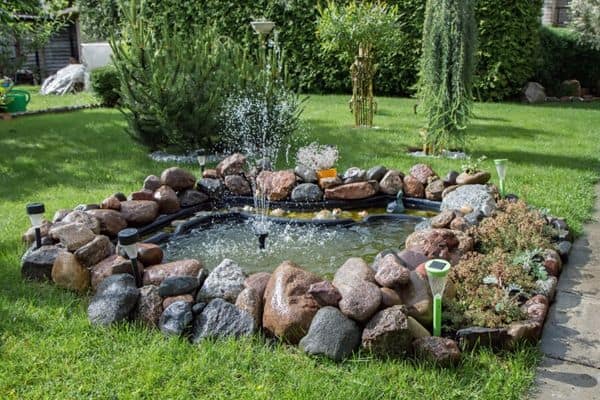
[48,349]
[40,102]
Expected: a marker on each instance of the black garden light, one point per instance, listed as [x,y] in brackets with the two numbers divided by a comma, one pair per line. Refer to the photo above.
[128,239]
[36,215]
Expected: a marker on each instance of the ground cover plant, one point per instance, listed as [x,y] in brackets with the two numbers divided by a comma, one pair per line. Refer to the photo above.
[49,350]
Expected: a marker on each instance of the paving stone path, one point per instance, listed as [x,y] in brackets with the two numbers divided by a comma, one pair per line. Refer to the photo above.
[570,367]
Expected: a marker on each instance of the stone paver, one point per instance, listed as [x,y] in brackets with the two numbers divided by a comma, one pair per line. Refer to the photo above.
[570,368]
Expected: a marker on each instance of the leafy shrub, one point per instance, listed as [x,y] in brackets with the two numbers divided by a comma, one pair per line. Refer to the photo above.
[515,227]
[585,20]
[173,82]
[562,57]
[105,82]
[487,290]
[508,40]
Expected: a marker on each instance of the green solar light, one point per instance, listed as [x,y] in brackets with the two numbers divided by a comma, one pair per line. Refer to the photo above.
[437,274]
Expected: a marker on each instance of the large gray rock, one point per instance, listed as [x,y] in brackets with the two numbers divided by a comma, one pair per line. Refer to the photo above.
[226,281]
[114,300]
[376,173]
[222,319]
[176,318]
[191,198]
[214,188]
[307,175]
[533,92]
[478,197]
[83,218]
[391,183]
[72,235]
[176,285]
[331,334]
[387,334]
[307,192]
[354,174]
[36,264]
[238,185]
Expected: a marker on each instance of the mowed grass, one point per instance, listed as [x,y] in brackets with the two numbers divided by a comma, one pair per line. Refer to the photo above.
[48,349]
[43,102]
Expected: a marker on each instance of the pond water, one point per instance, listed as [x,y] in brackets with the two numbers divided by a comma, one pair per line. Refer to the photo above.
[321,249]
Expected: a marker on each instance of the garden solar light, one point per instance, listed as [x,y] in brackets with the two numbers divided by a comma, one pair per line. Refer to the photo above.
[262,27]
[128,239]
[501,169]
[437,274]
[202,162]
[36,214]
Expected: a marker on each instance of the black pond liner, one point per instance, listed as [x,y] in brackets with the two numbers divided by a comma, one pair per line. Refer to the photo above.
[379,201]
[236,201]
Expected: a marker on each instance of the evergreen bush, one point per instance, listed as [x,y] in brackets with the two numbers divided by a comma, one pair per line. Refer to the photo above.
[105,83]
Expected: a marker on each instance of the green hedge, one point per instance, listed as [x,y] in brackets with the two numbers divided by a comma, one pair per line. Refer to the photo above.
[562,58]
[510,51]
[105,82]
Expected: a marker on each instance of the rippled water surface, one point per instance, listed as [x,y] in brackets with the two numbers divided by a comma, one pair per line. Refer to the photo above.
[318,249]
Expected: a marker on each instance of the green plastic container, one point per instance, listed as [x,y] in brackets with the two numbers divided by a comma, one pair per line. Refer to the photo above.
[17,100]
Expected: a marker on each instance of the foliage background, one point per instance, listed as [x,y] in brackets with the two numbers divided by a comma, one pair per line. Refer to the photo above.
[510,49]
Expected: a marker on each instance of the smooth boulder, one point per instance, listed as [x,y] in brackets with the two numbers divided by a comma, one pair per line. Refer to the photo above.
[176,318]
[332,335]
[114,300]
[220,319]
[226,281]
[288,308]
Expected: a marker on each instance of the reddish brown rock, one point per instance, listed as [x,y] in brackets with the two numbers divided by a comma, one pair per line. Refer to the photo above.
[111,221]
[352,191]
[391,273]
[421,172]
[276,185]
[387,334]
[459,224]
[524,331]
[248,300]
[72,236]
[151,183]
[325,294]
[328,183]
[95,251]
[391,183]
[111,203]
[149,254]
[188,298]
[361,297]
[210,174]
[440,243]
[238,185]
[434,190]
[142,195]
[111,265]
[155,274]
[232,165]
[478,178]
[413,188]
[258,281]
[82,218]
[417,298]
[411,259]
[139,212]
[442,351]
[177,178]
[389,297]
[149,306]
[442,220]
[537,308]
[449,189]
[68,273]
[289,309]
[168,202]
[552,262]
[29,236]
